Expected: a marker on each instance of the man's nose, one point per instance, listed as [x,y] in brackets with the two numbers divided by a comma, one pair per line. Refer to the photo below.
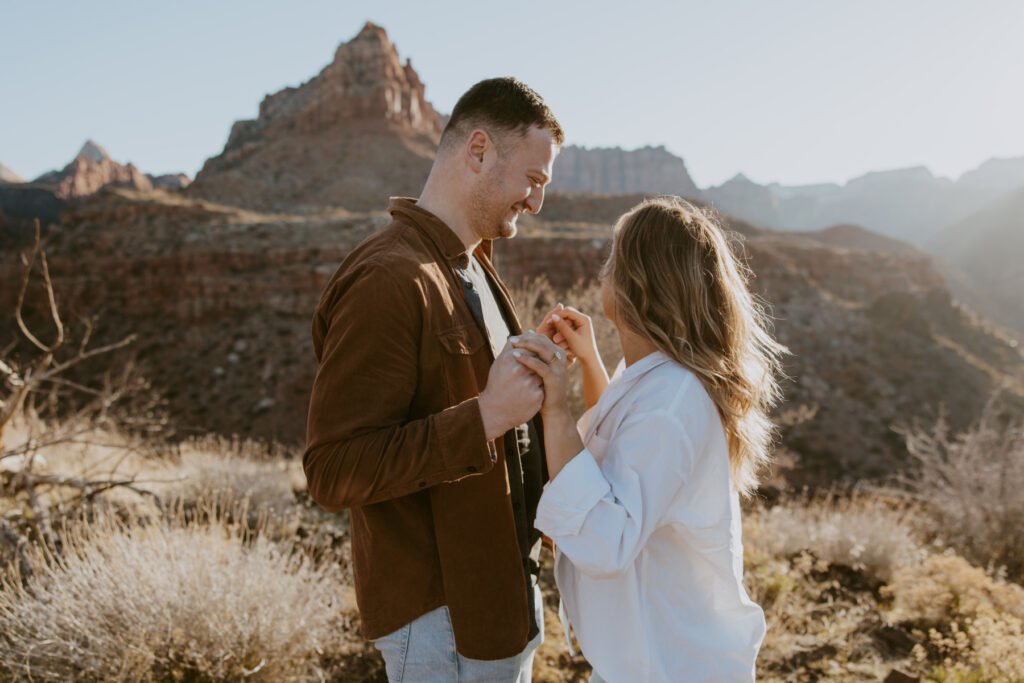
[535,200]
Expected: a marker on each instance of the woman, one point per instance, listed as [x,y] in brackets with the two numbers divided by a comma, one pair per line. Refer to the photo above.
[643,502]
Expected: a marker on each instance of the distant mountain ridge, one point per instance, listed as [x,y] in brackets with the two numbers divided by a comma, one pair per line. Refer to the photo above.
[909,204]
[93,169]
[613,170]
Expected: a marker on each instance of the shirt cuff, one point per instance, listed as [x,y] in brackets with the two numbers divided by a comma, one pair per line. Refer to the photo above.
[462,444]
[570,496]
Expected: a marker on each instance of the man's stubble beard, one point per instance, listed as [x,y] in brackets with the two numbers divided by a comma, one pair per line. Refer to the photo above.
[486,215]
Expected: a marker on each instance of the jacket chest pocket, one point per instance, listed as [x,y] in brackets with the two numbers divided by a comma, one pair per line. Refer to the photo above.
[466,361]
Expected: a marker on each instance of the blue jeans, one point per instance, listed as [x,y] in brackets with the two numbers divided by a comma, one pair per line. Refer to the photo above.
[424,652]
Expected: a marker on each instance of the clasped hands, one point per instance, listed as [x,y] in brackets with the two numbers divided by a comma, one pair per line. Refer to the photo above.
[531,372]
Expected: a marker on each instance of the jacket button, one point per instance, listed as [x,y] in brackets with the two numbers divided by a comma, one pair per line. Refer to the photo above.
[423,484]
[471,468]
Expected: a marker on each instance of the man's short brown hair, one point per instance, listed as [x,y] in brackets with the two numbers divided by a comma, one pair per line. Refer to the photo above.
[500,106]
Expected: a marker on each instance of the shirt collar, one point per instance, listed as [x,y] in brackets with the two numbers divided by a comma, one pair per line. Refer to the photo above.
[644,365]
[436,229]
[622,381]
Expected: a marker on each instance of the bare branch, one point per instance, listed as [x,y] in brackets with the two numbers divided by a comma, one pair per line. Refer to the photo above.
[46,349]
[56,369]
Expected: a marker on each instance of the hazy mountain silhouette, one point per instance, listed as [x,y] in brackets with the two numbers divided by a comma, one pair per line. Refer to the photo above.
[909,204]
[988,248]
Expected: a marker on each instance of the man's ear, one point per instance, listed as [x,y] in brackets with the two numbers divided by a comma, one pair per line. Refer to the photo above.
[477,146]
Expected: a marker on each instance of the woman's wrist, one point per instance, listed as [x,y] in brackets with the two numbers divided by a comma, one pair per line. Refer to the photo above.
[591,360]
[558,414]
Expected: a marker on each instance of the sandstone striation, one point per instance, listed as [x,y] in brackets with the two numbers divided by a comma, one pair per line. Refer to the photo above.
[219,280]
[357,133]
[222,297]
[614,170]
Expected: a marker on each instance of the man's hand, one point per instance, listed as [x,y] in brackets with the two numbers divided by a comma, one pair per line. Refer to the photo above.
[512,396]
[549,363]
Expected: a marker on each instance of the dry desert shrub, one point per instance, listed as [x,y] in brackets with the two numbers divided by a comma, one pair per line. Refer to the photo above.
[176,599]
[265,484]
[972,485]
[971,625]
[820,627]
[867,533]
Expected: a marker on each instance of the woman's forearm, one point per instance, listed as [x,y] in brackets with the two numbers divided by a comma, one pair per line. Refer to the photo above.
[562,441]
[595,379]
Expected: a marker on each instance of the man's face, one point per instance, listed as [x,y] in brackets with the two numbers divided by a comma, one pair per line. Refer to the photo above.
[512,182]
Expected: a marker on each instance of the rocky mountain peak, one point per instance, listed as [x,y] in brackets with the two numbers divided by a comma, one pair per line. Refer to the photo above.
[93,152]
[372,31]
[91,170]
[359,131]
[739,179]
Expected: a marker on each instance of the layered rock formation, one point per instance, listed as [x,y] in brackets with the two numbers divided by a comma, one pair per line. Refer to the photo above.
[652,170]
[221,296]
[357,133]
[91,170]
[222,299]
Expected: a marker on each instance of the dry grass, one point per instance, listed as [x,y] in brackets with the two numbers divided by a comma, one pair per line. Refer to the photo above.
[867,533]
[235,476]
[172,599]
[814,564]
[848,590]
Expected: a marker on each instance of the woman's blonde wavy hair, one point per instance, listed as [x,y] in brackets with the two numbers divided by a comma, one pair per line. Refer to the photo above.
[676,281]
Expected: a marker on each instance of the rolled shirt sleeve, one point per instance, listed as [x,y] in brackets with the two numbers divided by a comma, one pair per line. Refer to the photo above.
[601,515]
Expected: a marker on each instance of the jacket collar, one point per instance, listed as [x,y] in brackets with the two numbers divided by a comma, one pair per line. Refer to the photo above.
[437,230]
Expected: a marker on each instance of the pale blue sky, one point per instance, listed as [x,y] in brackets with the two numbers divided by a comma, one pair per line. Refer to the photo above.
[789,91]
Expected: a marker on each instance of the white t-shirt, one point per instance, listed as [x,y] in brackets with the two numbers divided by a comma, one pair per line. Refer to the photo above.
[649,559]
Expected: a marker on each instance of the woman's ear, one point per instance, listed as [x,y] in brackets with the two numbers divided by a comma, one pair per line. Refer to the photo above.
[477,146]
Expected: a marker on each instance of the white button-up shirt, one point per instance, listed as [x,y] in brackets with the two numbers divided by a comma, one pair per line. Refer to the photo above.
[649,559]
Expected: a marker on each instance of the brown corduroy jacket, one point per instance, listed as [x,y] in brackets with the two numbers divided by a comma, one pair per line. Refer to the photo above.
[395,435]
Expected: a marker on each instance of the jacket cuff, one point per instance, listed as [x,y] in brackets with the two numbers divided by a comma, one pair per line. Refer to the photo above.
[463,446]
[570,496]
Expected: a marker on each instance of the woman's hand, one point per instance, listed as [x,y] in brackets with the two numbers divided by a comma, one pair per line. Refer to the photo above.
[573,331]
[549,363]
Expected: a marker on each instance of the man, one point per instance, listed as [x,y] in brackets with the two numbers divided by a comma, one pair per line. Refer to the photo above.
[416,416]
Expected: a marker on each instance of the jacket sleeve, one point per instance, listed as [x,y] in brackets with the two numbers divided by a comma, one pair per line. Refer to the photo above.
[600,517]
[361,446]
